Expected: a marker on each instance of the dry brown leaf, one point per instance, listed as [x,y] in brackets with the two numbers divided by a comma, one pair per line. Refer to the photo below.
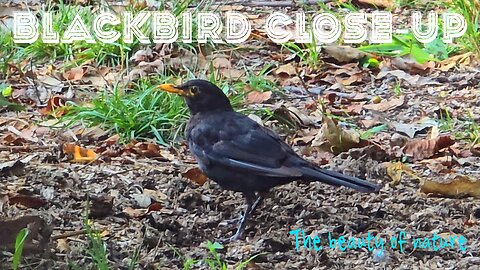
[62,245]
[154,207]
[421,149]
[28,201]
[286,70]
[334,138]
[453,61]
[224,66]
[460,185]
[196,175]
[386,105]
[135,213]
[344,54]
[256,97]
[74,74]
[38,238]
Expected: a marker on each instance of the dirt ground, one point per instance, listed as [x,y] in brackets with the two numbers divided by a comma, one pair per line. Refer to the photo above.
[191,214]
[147,203]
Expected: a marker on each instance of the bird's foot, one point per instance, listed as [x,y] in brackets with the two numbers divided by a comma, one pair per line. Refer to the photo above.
[232,221]
[227,240]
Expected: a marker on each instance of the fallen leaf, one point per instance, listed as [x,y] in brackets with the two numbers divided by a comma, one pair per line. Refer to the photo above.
[411,129]
[286,70]
[74,74]
[142,55]
[256,97]
[28,201]
[135,213]
[414,80]
[422,148]
[460,185]
[101,206]
[196,175]
[344,54]
[62,245]
[295,116]
[386,105]
[15,167]
[224,66]
[334,138]
[453,61]
[50,81]
[154,207]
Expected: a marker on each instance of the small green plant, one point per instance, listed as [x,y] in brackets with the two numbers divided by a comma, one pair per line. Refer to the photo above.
[462,129]
[470,9]
[139,113]
[397,89]
[259,82]
[308,53]
[404,45]
[19,243]
[97,250]
[215,263]
[372,131]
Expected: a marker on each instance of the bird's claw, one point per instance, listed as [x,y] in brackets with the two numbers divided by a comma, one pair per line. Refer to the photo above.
[233,238]
[233,220]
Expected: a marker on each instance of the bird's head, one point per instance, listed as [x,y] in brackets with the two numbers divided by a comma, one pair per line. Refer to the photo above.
[200,96]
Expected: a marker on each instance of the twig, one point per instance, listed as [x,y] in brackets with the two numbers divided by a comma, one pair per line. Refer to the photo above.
[69,234]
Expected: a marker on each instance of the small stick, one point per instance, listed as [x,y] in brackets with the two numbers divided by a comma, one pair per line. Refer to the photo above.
[69,234]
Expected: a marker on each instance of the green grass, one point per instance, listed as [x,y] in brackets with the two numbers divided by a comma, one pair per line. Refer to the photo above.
[97,249]
[470,9]
[308,53]
[407,45]
[78,52]
[137,113]
[465,129]
[142,112]
[19,243]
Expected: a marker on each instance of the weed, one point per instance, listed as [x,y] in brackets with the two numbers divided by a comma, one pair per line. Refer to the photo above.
[19,243]
[308,53]
[140,113]
[462,129]
[97,249]
[401,45]
[397,89]
[470,9]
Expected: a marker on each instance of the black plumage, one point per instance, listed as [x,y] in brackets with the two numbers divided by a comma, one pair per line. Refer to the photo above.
[241,155]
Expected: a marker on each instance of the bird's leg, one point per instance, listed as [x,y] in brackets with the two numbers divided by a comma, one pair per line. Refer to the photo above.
[251,200]
[256,203]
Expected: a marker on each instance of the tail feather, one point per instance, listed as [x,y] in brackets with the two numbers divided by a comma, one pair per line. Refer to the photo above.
[337,179]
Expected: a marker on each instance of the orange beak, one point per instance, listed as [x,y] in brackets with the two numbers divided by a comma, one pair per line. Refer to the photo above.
[172,89]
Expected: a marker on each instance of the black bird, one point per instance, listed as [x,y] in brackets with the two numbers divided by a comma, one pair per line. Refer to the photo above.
[241,155]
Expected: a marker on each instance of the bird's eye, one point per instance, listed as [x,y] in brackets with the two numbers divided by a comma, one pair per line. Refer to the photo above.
[194,90]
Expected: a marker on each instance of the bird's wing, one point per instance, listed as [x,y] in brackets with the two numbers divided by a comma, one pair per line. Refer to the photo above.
[246,146]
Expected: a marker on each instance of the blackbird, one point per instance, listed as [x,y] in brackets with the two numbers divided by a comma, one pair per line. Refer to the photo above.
[241,155]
